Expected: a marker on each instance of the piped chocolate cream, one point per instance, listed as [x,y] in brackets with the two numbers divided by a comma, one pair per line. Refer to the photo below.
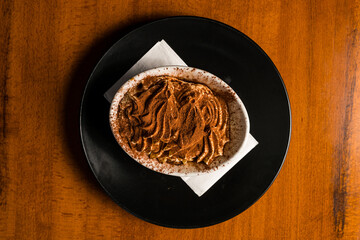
[174,121]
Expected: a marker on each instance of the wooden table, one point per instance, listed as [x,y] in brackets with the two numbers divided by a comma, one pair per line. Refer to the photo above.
[47,52]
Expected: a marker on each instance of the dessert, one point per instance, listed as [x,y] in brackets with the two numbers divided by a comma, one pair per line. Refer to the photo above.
[173,120]
[180,121]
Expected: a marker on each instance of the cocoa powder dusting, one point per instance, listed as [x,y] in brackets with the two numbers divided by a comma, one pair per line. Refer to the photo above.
[174,121]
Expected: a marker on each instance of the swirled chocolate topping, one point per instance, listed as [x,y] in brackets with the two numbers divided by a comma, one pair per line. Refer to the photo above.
[174,121]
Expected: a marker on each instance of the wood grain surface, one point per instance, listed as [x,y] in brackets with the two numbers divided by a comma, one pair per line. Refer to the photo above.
[47,52]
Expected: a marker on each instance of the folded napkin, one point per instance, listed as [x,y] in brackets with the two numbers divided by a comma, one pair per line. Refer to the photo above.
[161,54]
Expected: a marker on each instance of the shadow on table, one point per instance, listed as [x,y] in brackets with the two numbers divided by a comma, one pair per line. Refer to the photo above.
[75,89]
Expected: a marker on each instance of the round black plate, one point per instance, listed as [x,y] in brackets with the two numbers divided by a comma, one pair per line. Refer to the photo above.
[167,200]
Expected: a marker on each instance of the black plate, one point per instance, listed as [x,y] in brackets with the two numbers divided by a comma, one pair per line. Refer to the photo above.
[167,200]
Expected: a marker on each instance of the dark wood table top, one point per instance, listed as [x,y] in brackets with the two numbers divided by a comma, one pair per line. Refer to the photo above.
[47,52]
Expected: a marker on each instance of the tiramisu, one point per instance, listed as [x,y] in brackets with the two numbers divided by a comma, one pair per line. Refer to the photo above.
[174,121]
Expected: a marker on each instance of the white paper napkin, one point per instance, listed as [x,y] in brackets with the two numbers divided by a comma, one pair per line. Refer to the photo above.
[161,54]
